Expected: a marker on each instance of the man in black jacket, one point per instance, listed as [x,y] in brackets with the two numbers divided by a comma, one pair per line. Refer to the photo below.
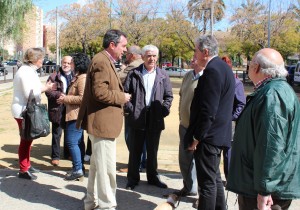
[209,130]
[152,97]
[62,79]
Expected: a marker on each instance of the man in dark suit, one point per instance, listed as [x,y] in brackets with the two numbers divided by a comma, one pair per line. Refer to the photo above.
[209,130]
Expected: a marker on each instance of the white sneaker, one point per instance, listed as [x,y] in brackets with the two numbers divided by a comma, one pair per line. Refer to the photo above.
[87,158]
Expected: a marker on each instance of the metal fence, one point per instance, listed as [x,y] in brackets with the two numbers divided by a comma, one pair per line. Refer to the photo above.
[11,71]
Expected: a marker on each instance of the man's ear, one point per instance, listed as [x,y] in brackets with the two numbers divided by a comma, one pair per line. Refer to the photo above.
[205,51]
[257,68]
[112,45]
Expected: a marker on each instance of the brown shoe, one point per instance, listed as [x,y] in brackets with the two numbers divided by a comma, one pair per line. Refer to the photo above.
[123,170]
[55,162]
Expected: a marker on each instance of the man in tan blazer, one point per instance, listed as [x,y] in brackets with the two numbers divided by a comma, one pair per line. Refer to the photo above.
[101,114]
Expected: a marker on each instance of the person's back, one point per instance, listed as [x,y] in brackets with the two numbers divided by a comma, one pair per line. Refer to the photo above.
[264,168]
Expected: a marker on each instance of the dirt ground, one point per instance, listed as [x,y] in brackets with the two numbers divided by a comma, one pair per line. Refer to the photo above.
[41,148]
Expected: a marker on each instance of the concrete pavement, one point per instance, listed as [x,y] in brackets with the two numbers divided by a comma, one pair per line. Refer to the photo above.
[50,191]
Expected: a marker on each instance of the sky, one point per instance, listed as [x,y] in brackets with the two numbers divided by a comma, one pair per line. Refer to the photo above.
[48,5]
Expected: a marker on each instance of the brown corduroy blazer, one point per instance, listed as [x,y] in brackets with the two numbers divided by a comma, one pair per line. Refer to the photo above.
[101,111]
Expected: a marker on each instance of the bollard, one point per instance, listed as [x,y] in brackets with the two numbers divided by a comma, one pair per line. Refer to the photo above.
[14,71]
[244,76]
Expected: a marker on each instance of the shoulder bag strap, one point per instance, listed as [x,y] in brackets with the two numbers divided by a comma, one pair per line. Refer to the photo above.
[31,98]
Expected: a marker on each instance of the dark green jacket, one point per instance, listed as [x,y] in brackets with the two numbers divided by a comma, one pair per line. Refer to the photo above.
[266,149]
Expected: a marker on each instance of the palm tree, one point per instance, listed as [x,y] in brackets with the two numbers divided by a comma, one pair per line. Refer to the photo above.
[199,10]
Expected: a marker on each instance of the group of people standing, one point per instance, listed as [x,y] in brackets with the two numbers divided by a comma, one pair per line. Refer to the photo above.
[264,168]
[64,90]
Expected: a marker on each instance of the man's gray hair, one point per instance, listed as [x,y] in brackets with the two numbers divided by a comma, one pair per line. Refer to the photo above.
[208,42]
[269,68]
[134,49]
[149,47]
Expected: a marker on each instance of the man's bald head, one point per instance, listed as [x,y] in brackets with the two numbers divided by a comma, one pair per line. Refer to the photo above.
[270,62]
[273,55]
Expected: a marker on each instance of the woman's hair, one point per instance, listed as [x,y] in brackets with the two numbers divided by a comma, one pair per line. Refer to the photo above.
[32,55]
[227,60]
[81,62]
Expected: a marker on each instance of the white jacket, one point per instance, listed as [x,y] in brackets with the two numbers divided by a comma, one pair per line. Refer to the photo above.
[25,79]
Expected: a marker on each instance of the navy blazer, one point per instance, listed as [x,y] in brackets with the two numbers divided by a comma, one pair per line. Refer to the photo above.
[211,108]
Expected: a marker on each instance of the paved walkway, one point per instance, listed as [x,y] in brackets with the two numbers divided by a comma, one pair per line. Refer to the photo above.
[50,191]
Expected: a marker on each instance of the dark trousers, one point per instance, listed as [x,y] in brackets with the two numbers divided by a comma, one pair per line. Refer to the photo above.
[127,133]
[137,141]
[56,135]
[246,203]
[226,158]
[207,159]
[88,147]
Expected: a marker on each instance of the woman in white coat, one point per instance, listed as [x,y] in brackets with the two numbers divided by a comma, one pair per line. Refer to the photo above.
[27,79]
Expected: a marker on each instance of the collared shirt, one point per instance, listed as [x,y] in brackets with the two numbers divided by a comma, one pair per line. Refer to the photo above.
[111,58]
[148,78]
[259,83]
[197,76]
[66,80]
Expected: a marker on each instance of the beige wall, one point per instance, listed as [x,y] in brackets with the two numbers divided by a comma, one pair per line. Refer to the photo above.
[33,34]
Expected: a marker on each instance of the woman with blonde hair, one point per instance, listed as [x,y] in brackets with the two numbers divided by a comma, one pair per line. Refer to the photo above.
[26,79]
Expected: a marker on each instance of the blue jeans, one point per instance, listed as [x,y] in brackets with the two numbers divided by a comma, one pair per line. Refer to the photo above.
[74,140]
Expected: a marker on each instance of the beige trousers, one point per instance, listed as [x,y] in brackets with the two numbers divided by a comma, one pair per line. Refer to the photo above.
[102,184]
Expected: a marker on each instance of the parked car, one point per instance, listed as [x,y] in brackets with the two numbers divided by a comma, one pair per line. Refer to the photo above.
[290,76]
[49,66]
[3,71]
[40,70]
[166,64]
[174,71]
[14,63]
[297,73]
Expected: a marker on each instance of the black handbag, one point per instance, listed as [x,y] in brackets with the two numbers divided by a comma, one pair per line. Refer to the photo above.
[35,122]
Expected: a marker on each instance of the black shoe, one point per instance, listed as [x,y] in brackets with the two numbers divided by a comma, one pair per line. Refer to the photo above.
[74,177]
[196,203]
[183,193]
[33,170]
[158,183]
[27,175]
[130,186]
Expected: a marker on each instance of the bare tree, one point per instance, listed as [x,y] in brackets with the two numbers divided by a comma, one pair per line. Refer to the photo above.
[82,23]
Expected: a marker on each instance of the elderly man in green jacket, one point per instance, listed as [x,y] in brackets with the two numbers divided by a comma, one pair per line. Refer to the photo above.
[265,161]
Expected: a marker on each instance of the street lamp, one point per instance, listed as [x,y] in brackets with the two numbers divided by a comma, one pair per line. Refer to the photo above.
[57,39]
[211,17]
[269,24]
